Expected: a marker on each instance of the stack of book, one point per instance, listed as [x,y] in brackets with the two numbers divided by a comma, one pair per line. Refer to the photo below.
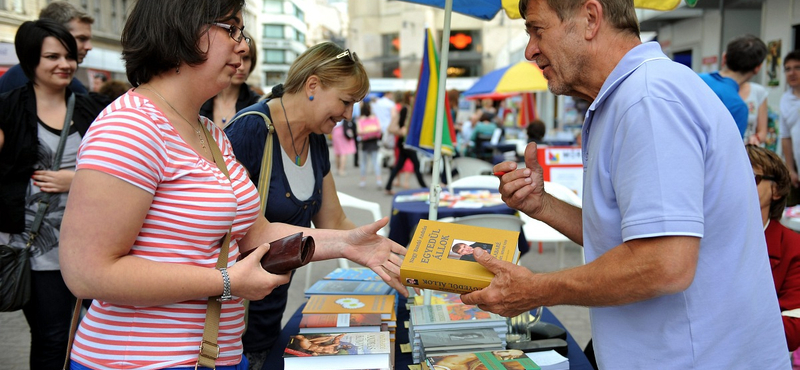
[441,342]
[384,306]
[345,351]
[430,318]
[342,323]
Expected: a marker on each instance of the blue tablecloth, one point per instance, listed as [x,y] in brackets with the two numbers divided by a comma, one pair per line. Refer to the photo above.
[406,215]
[577,360]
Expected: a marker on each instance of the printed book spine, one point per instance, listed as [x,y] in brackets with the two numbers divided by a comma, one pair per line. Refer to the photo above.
[444,281]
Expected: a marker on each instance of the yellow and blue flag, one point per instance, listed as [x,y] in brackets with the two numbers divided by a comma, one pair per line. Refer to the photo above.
[422,128]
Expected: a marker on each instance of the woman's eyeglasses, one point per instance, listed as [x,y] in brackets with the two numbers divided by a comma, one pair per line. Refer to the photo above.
[762,177]
[236,33]
[346,53]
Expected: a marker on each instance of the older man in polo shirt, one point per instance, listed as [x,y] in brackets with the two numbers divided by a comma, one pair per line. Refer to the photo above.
[677,272]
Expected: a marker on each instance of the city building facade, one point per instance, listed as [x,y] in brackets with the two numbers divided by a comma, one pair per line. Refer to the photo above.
[109,20]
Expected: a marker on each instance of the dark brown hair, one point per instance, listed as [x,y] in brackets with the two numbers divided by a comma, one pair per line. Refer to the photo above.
[772,166]
[30,37]
[159,35]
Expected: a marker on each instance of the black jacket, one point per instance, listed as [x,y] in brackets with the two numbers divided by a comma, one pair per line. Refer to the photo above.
[19,123]
[246,98]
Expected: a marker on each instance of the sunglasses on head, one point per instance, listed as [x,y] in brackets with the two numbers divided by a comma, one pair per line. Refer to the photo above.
[346,53]
[762,177]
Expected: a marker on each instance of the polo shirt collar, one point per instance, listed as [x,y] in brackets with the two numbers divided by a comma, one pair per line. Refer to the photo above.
[629,63]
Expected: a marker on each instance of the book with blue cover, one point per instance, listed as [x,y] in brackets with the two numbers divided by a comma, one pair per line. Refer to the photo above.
[353,273]
[349,287]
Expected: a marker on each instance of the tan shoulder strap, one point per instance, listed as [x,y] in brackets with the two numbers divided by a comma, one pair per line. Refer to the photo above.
[265,173]
[209,349]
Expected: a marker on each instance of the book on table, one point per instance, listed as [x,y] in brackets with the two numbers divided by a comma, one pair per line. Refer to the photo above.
[353,274]
[342,323]
[380,304]
[453,316]
[343,351]
[490,360]
[437,297]
[549,360]
[440,256]
[436,342]
[349,287]
[455,339]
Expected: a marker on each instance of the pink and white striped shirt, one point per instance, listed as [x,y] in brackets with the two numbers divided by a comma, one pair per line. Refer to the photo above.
[193,206]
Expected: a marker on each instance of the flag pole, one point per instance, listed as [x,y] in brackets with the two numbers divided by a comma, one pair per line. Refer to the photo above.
[436,188]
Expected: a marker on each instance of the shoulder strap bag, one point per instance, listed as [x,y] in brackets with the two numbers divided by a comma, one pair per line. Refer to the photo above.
[266,159]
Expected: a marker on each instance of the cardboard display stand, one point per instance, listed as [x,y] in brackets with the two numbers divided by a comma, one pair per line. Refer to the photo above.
[562,165]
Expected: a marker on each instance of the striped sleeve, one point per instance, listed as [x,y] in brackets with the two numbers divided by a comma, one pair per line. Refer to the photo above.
[126,144]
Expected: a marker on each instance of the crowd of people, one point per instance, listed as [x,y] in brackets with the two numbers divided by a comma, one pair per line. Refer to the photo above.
[686,260]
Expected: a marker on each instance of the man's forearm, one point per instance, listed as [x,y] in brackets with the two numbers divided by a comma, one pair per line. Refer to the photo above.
[564,217]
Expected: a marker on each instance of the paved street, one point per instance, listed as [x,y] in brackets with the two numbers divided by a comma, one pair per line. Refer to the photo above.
[15,338]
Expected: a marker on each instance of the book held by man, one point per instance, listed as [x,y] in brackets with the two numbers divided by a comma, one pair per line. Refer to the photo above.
[441,256]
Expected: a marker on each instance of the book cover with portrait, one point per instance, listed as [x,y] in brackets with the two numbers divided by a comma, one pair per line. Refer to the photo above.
[441,256]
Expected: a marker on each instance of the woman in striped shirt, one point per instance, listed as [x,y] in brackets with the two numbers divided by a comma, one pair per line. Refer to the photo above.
[148,205]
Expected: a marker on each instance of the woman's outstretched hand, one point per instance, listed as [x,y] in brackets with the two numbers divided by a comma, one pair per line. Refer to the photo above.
[379,253]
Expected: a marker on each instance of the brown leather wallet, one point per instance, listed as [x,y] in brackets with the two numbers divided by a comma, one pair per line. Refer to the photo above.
[286,254]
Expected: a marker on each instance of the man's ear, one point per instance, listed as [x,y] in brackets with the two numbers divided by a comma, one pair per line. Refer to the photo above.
[593,11]
[757,68]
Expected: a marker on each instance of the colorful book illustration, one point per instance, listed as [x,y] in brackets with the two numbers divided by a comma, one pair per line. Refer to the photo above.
[353,273]
[343,351]
[512,359]
[440,256]
[341,323]
[381,304]
[451,316]
[438,297]
[453,339]
[349,287]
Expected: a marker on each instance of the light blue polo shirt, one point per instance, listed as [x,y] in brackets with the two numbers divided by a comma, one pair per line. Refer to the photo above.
[662,156]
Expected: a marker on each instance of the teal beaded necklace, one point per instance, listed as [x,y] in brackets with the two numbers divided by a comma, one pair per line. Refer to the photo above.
[291,136]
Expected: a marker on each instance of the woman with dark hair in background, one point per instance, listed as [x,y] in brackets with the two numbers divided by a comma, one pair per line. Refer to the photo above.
[156,190]
[32,118]
[236,96]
